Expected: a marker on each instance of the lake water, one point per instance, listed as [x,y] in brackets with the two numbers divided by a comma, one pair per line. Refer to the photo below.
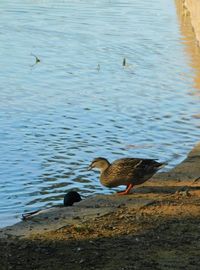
[80,102]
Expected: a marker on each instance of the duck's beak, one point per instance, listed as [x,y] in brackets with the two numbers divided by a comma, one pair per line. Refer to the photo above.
[90,168]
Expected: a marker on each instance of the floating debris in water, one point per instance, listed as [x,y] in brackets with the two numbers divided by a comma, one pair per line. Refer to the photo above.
[124,62]
[128,66]
[37,60]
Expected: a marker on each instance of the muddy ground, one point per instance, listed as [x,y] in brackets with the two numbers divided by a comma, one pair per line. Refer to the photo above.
[162,235]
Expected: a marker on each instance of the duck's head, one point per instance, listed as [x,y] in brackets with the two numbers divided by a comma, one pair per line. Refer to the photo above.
[100,163]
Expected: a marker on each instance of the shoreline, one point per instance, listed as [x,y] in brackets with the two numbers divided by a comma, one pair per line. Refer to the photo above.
[185,174]
[191,8]
[158,221]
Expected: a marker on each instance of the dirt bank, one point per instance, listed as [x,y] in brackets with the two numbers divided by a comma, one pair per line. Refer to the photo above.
[162,235]
[156,227]
[192,8]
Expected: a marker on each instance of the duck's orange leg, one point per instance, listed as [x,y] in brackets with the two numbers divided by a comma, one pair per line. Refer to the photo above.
[125,192]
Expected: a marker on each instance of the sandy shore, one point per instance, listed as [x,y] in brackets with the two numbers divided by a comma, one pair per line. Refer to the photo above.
[150,229]
[192,9]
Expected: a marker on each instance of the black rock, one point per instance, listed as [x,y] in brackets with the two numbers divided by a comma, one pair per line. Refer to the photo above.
[71,197]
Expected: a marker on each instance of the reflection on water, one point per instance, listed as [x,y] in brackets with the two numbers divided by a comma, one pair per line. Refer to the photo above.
[190,44]
[80,102]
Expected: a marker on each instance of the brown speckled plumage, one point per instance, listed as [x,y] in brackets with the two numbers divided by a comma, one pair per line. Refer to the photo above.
[125,171]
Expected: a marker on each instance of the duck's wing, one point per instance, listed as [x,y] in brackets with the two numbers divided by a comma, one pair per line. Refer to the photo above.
[135,163]
[134,167]
[124,168]
[125,161]
[149,164]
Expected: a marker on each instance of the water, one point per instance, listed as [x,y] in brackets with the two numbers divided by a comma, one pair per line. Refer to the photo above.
[79,102]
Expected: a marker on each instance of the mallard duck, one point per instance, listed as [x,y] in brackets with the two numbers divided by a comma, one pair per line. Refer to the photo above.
[125,171]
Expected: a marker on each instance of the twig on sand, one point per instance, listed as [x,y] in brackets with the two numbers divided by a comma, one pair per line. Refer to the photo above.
[197,179]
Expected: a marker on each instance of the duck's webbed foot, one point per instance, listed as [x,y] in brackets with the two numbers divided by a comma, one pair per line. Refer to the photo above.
[125,192]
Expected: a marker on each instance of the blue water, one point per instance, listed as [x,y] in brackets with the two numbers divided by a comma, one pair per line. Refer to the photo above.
[80,102]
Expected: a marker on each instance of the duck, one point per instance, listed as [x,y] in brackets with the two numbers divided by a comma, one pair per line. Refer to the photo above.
[125,171]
